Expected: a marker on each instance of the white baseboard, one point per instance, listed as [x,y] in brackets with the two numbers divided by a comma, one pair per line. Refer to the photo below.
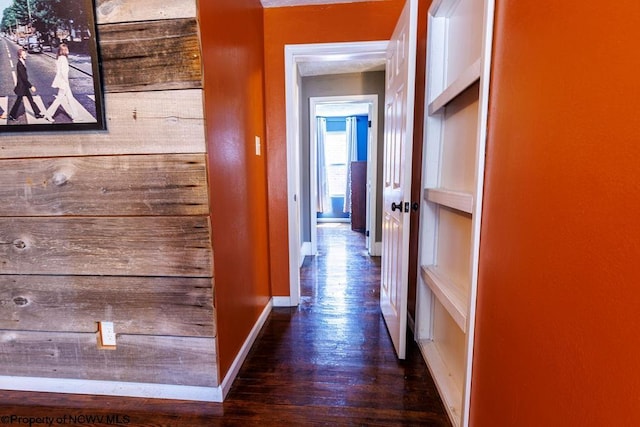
[112,388]
[283,302]
[227,382]
[305,250]
[376,249]
[330,220]
[146,390]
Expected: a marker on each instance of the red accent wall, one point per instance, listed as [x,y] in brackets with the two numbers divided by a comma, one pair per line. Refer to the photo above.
[557,337]
[232,46]
[361,21]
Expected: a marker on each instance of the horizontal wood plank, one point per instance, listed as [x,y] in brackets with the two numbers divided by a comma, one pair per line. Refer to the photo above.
[449,390]
[137,358]
[449,294]
[129,246]
[137,123]
[113,11]
[151,55]
[115,185]
[466,78]
[453,199]
[137,305]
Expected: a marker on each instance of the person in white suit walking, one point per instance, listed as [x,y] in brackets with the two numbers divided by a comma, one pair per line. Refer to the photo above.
[65,97]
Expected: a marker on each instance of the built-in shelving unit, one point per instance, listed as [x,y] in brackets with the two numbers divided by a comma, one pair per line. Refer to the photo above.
[459,43]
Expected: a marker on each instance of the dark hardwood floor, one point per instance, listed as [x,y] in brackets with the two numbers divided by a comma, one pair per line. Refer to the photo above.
[329,361]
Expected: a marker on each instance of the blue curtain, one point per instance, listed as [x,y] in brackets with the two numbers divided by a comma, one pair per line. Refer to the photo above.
[352,156]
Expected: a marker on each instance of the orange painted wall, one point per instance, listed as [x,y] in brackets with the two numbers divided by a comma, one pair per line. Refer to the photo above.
[557,337]
[361,21]
[232,44]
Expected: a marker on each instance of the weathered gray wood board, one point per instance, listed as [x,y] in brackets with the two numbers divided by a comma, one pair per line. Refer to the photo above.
[127,246]
[137,123]
[137,358]
[113,11]
[136,305]
[114,185]
[151,55]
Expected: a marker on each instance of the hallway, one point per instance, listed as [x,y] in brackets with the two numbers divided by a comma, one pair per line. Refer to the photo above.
[327,362]
[330,360]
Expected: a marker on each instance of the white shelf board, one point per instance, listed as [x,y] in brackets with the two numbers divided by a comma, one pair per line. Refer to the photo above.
[458,200]
[466,78]
[449,391]
[450,296]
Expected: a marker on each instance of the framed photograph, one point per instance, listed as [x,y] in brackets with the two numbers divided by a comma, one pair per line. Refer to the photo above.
[49,66]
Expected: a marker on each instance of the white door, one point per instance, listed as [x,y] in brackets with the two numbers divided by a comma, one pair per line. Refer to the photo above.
[398,145]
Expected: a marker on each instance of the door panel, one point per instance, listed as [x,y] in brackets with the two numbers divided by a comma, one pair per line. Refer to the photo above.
[398,146]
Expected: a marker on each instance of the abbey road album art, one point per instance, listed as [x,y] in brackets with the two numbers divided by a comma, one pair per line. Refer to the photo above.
[49,66]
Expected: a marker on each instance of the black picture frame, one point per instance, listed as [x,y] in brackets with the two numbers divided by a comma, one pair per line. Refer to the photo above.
[41,28]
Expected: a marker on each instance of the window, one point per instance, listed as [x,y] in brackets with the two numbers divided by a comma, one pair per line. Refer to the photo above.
[335,150]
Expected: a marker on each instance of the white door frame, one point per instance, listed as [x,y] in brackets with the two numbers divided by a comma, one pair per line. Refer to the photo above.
[372,162]
[293,55]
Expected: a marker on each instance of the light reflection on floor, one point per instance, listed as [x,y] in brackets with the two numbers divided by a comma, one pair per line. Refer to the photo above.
[333,283]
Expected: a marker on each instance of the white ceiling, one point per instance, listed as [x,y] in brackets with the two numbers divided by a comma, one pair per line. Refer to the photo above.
[285,3]
[343,109]
[322,67]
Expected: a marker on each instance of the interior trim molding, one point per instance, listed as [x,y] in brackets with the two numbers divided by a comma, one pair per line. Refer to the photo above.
[146,390]
[227,382]
[294,55]
[376,249]
[283,302]
[111,388]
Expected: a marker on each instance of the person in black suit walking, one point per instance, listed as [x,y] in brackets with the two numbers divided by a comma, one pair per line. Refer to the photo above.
[23,88]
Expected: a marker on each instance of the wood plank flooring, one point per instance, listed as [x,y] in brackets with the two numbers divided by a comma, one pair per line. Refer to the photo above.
[328,362]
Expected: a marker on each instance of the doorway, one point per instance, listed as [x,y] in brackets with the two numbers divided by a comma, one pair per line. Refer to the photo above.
[344,146]
[333,56]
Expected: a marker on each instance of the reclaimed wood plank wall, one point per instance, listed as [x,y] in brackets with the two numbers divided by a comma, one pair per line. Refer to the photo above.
[113,225]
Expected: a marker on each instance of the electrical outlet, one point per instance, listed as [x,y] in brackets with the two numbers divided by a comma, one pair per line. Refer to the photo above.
[106,335]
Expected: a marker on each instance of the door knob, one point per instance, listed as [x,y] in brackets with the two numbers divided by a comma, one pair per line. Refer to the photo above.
[395,207]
